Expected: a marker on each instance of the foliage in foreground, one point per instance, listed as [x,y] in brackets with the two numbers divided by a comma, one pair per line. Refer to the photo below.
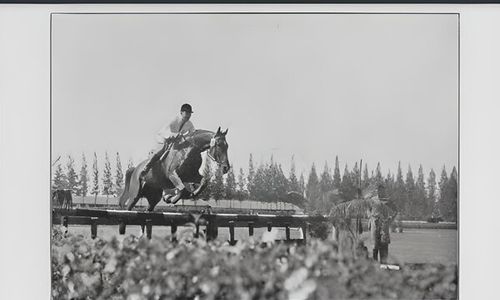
[137,268]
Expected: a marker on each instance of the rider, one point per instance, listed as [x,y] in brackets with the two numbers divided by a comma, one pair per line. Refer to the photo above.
[181,125]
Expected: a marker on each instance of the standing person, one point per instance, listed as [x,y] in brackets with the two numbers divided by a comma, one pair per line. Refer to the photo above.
[169,134]
[382,214]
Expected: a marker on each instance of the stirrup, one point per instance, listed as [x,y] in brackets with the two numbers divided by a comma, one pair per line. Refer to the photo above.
[182,194]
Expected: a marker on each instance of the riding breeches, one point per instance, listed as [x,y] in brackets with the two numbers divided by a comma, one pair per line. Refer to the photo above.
[172,161]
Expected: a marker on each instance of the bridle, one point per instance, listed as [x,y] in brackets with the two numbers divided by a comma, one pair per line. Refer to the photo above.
[212,144]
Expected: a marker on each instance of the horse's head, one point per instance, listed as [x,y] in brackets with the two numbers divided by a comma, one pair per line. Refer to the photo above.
[218,150]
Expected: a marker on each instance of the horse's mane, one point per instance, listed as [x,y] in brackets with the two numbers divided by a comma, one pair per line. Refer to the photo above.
[201,137]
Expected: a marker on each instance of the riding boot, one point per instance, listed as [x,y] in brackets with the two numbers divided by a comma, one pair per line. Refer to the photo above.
[149,165]
[182,194]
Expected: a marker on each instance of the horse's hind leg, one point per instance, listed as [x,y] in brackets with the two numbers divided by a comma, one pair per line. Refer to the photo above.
[154,198]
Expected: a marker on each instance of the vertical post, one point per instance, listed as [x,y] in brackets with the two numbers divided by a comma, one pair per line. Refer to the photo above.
[173,232]
[305,229]
[250,228]
[287,231]
[64,221]
[232,241]
[121,228]
[93,227]
[197,233]
[149,228]
[212,228]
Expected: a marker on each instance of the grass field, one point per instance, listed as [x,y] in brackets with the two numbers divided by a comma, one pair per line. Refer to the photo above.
[411,246]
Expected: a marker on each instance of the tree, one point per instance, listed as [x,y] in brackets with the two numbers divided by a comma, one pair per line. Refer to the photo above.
[356,178]
[432,208]
[312,187]
[302,185]
[443,180]
[347,188]
[59,181]
[389,186]
[251,178]
[242,192]
[230,186]
[378,174]
[453,195]
[366,177]
[336,174]
[261,184]
[107,181]
[399,192]
[326,181]
[95,171]
[294,182]
[119,174]
[449,195]
[71,177]
[83,183]
[410,193]
[280,184]
[420,197]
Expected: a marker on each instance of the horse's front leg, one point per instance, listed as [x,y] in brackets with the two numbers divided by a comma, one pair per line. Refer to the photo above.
[203,185]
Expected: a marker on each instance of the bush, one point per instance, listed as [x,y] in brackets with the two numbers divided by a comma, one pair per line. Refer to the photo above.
[137,268]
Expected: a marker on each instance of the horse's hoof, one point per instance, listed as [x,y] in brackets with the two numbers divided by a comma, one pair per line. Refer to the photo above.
[175,198]
[168,199]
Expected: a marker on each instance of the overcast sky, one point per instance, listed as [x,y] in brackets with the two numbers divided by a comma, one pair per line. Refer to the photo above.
[382,88]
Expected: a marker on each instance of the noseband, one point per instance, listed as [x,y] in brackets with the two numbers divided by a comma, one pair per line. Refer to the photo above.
[212,144]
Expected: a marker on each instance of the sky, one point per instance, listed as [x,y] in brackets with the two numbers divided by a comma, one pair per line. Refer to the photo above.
[381,88]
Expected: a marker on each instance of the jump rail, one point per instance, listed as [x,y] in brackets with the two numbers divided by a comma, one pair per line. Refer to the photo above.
[212,222]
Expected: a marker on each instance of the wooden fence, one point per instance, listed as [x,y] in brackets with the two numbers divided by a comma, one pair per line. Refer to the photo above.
[211,221]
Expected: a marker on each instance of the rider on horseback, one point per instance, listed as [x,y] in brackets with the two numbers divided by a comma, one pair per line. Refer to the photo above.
[169,135]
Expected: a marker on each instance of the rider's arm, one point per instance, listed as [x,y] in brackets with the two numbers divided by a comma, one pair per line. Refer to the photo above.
[165,133]
[189,127]
[174,126]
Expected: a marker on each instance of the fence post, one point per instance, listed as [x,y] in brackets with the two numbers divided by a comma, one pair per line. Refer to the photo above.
[305,231]
[232,241]
[212,228]
[287,231]
[93,227]
[173,233]
[197,232]
[64,221]
[122,227]
[149,228]
[250,228]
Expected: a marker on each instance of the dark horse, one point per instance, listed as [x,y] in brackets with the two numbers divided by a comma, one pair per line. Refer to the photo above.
[156,180]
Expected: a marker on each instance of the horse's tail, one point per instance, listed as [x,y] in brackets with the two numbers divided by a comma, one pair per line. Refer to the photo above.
[124,195]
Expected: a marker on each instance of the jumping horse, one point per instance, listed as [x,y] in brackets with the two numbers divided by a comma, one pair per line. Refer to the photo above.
[156,179]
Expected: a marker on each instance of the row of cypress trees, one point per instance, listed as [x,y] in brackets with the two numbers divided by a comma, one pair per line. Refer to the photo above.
[82,184]
[415,196]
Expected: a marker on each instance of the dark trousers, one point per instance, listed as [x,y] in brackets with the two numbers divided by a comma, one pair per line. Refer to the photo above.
[383,251]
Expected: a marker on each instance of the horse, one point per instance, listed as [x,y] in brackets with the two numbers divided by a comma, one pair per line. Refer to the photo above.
[156,179]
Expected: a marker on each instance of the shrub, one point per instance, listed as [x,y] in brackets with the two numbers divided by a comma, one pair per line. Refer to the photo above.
[137,268]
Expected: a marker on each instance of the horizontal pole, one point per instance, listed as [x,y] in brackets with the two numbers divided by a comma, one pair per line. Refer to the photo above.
[116,217]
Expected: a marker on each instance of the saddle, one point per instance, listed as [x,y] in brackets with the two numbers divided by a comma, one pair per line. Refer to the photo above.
[177,143]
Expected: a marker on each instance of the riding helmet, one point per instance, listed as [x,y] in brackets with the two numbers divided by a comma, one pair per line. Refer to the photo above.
[187,108]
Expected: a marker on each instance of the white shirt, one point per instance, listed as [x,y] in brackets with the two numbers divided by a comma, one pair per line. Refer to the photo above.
[173,128]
